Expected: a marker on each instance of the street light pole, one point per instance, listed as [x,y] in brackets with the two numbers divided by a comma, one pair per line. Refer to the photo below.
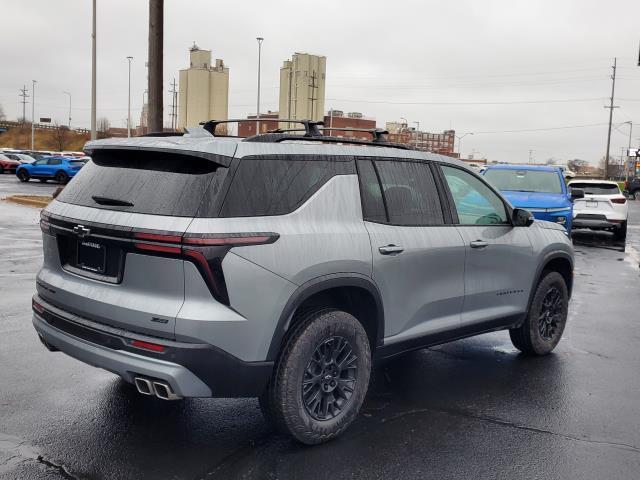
[33,113]
[460,137]
[93,74]
[129,101]
[69,124]
[260,40]
[417,130]
[626,168]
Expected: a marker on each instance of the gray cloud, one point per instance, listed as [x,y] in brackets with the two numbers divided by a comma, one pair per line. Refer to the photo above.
[443,64]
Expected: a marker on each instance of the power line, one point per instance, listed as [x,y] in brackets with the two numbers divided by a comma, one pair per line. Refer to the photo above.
[515,102]
[524,130]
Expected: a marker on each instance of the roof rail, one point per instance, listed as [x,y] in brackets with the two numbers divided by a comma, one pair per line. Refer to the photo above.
[284,137]
[162,134]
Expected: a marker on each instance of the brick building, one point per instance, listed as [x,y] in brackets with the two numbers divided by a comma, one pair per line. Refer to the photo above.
[441,143]
[247,129]
[337,119]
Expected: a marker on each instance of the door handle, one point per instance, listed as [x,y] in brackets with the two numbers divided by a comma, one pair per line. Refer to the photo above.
[479,244]
[390,249]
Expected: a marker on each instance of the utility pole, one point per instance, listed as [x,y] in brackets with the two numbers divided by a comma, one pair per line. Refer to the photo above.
[530,155]
[460,137]
[23,93]
[626,165]
[174,105]
[260,40]
[610,107]
[156,35]
[93,75]
[313,98]
[69,124]
[417,132]
[129,100]
[33,113]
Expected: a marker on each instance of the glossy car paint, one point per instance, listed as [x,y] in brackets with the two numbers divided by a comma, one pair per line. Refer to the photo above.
[438,284]
[544,206]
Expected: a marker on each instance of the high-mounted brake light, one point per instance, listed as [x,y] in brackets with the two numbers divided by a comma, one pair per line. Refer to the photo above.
[154,347]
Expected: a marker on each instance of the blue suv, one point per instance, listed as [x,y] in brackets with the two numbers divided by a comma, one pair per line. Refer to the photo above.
[538,189]
[60,169]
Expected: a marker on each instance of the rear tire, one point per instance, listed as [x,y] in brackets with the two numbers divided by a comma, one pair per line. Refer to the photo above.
[620,233]
[23,176]
[321,377]
[546,319]
[62,177]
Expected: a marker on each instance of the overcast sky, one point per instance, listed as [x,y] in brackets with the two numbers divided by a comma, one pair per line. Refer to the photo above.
[468,65]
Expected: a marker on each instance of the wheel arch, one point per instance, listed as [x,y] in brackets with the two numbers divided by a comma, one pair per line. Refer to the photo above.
[558,261]
[354,293]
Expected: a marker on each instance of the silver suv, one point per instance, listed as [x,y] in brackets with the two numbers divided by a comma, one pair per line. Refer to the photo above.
[284,265]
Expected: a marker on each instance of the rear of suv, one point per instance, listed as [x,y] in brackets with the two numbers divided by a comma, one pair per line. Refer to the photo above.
[284,266]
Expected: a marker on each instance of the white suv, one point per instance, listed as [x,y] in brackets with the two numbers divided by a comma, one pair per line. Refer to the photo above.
[603,207]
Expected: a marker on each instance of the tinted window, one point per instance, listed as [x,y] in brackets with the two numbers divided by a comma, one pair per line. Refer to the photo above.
[76,163]
[155,183]
[272,186]
[410,193]
[596,188]
[370,192]
[41,162]
[524,180]
[54,161]
[475,202]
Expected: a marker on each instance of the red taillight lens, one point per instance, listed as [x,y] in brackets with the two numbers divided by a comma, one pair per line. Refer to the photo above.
[158,248]
[37,307]
[619,200]
[158,237]
[241,239]
[154,347]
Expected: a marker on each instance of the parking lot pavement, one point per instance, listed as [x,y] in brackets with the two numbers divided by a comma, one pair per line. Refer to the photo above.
[470,409]
[10,185]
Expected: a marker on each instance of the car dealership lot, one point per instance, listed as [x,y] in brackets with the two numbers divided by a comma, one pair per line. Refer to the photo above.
[474,408]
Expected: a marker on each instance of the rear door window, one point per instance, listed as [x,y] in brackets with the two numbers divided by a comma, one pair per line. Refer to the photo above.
[370,192]
[410,193]
[156,183]
[265,186]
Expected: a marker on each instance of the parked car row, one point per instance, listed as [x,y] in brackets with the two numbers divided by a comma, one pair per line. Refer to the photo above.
[580,204]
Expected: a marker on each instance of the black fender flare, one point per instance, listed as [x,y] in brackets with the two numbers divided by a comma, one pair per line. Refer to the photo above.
[317,285]
[540,268]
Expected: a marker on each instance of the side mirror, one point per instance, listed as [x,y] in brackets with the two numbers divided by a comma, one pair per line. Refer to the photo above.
[522,217]
[577,193]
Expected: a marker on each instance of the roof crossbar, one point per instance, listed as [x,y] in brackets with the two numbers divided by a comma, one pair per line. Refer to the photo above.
[310,126]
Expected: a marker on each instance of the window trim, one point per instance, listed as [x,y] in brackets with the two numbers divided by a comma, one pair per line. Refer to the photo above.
[446,217]
[454,212]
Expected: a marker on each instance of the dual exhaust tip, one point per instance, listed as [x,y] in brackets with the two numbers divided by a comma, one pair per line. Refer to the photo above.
[159,388]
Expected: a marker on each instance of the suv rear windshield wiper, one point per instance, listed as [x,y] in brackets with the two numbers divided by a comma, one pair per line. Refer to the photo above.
[111,201]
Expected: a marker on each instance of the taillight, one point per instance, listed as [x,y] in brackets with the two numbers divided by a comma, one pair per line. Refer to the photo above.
[45,226]
[206,251]
[36,306]
[619,200]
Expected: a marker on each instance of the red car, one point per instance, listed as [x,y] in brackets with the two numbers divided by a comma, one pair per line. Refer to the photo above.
[8,165]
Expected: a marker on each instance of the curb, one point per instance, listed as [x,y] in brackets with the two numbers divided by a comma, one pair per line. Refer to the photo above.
[38,201]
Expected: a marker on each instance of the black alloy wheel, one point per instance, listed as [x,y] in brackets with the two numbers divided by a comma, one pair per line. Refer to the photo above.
[330,378]
[550,314]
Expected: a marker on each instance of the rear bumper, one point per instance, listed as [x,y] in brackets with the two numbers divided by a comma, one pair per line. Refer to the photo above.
[596,223]
[192,370]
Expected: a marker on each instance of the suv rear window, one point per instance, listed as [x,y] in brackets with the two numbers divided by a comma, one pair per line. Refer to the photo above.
[155,183]
[596,188]
[277,186]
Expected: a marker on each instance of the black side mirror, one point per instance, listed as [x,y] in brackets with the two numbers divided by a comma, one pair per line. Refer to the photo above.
[522,217]
[577,193]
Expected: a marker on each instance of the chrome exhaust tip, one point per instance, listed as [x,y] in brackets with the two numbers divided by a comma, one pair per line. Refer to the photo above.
[163,391]
[144,386]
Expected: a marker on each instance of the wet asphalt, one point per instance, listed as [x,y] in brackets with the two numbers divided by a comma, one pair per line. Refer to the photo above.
[470,409]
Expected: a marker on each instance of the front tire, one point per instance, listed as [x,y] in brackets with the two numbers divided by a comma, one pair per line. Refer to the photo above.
[547,317]
[23,176]
[61,177]
[321,378]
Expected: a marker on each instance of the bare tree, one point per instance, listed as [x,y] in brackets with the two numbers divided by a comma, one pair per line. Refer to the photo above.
[577,165]
[60,136]
[103,126]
